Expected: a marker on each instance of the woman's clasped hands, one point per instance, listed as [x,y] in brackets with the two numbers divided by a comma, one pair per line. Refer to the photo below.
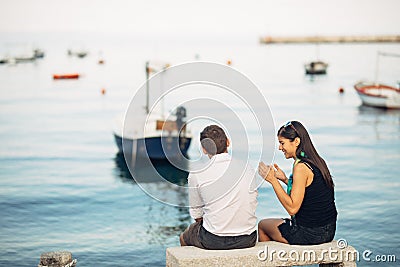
[271,173]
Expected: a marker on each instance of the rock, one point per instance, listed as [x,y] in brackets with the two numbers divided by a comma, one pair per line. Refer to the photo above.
[55,259]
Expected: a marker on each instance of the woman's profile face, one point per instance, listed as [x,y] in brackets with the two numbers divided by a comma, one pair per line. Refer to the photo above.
[288,147]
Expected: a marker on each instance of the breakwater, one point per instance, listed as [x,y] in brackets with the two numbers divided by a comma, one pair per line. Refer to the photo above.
[330,39]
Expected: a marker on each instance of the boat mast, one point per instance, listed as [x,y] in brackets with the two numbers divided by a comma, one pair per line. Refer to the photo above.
[385,54]
[377,67]
[147,86]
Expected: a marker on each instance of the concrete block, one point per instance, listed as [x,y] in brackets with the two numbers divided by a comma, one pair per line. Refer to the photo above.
[264,254]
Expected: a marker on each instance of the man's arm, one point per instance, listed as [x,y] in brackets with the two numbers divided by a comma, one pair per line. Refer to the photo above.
[195,202]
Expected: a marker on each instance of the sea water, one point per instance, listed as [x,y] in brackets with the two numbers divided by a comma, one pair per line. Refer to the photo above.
[64,187]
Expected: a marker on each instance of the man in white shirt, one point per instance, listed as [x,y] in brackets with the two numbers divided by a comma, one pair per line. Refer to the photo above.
[222,198]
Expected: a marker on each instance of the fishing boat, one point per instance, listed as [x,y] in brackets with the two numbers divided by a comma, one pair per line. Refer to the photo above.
[316,67]
[378,95]
[151,134]
[26,56]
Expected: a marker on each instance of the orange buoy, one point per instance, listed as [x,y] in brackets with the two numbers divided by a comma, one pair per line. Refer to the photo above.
[229,62]
[341,90]
[103,91]
[101,61]
[66,76]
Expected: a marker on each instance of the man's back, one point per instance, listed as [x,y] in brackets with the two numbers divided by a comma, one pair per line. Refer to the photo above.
[222,198]
[225,197]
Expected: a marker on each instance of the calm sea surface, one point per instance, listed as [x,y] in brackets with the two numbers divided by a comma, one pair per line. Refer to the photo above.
[63,186]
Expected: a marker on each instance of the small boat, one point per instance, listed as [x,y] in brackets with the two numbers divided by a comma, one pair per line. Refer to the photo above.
[77,53]
[378,95]
[148,134]
[23,57]
[162,139]
[26,57]
[66,76]
[4,60]
[38,53]
[81,54]
[316,67]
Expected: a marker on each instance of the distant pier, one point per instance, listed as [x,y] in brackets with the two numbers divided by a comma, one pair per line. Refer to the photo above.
[329,39]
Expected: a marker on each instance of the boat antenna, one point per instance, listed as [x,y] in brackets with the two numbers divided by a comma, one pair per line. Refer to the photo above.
[385,54]
[147,86]
[377,66]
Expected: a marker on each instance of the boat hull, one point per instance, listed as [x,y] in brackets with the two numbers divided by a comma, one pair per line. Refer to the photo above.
[154,147]
[378,95]
[372,101]
[315,72]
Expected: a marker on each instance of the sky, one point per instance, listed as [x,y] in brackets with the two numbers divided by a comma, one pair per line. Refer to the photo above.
[261,17]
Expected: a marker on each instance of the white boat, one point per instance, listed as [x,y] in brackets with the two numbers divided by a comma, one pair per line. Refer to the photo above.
[316,67]
[378,95]
[28,57]
[146,133]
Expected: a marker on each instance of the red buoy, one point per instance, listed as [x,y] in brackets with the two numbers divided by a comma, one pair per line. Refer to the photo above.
[66,76]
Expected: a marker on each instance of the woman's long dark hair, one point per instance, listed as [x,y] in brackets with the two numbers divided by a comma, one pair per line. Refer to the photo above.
[306,151]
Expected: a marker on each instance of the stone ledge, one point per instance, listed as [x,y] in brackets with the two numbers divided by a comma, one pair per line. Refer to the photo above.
[255,256]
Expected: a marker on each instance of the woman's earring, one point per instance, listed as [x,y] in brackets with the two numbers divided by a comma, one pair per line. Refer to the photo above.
[302,154]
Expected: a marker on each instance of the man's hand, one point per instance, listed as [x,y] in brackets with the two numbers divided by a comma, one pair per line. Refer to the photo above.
[267,172]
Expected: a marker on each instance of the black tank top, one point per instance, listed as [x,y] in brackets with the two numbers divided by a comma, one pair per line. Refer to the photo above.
[318,207]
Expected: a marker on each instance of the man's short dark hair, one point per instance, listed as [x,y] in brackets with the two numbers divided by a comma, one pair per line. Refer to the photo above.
[213,139]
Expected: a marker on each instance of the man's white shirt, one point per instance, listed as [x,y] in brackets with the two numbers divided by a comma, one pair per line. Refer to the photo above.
[225,195]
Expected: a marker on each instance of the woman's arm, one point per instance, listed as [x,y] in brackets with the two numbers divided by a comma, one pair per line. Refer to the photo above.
[293,202]
[280,174]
